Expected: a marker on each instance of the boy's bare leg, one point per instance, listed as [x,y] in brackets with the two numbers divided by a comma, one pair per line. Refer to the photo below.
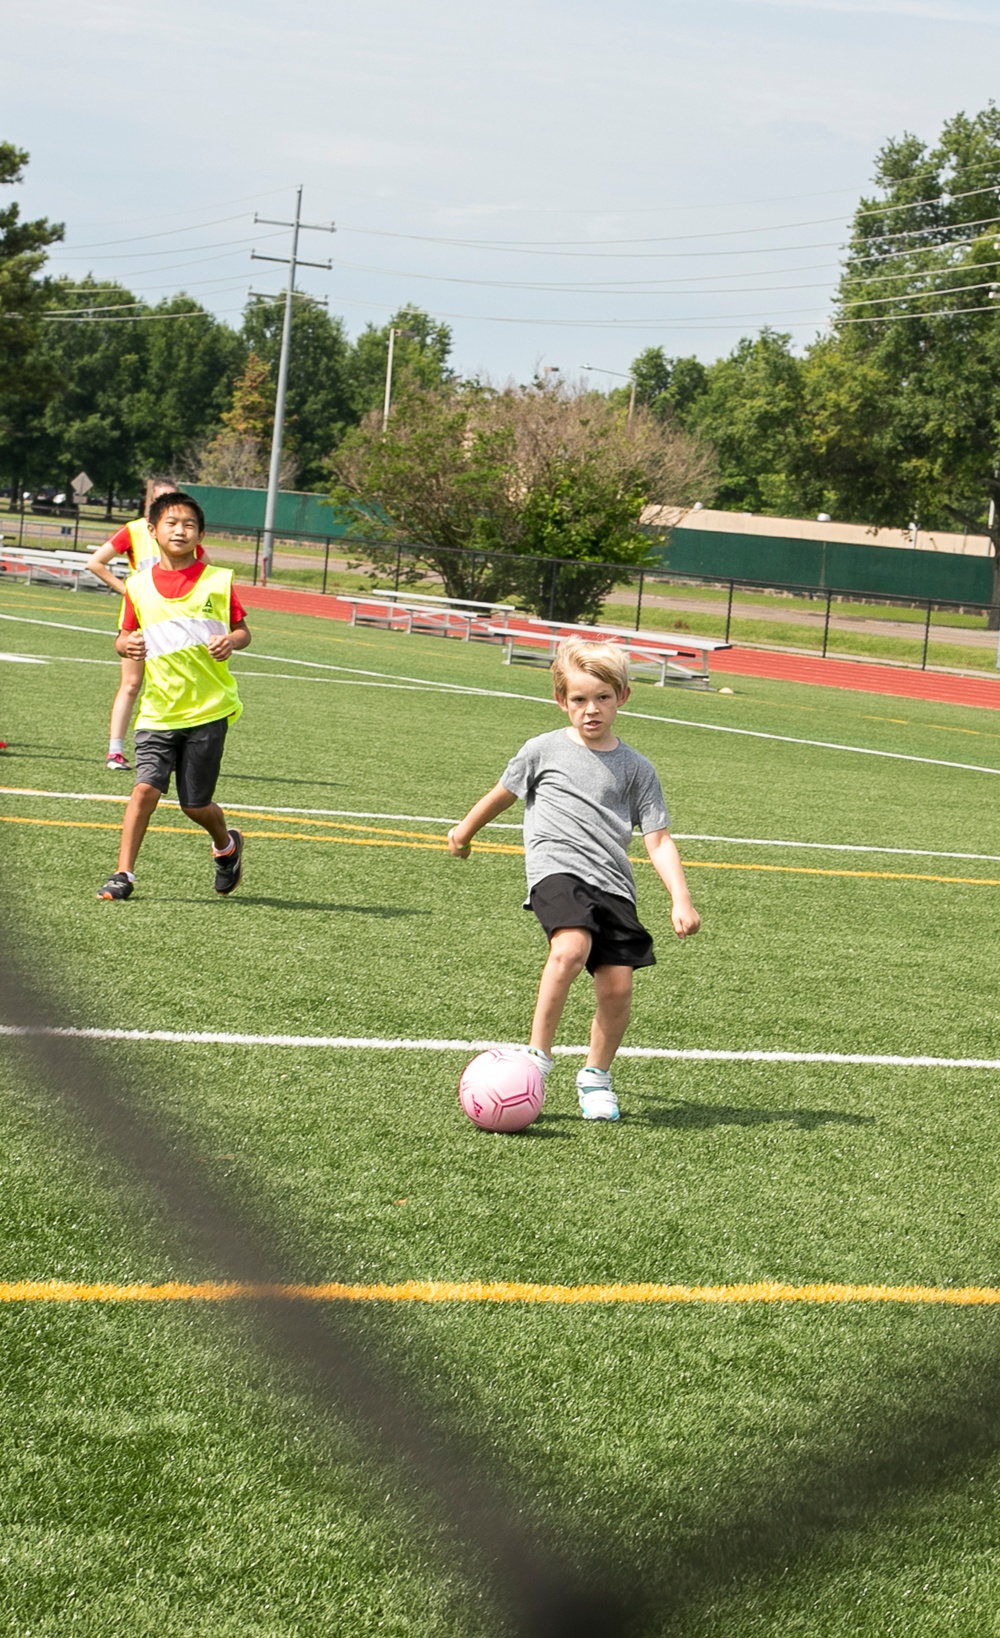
[613,992]
[212,819]
[141,807]
[124,701]
[569,948]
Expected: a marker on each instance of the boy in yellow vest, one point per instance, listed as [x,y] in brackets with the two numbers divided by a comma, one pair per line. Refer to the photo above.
[181,617]
[136,542]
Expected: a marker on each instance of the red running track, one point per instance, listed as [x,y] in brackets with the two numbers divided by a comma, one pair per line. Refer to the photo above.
[743,662]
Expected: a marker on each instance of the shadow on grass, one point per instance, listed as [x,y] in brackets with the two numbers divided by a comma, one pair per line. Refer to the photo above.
[944,1431]
[703,1115]
[385,912]
[25,748]
[285,779]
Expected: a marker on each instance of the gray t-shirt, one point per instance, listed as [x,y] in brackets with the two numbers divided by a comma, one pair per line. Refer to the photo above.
[581,807]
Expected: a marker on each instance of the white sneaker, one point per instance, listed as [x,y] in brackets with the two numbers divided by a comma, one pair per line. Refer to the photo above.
[596,1095]
[540,1059]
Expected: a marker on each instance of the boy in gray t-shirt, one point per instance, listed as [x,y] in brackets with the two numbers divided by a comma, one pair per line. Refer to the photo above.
[584,793]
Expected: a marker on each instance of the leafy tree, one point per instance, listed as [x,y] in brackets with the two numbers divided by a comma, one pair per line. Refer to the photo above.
[752,412]
[22,256]
[190,363]
[529,473]
[419,362]
[135,386]
[238,457]
[25,383]
[904,395]
[319,401]
[669,387]
[100,363]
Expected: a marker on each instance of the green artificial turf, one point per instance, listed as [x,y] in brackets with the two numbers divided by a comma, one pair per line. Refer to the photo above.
[747,1470]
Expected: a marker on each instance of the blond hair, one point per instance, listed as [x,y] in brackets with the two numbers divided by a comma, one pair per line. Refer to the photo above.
[606,661]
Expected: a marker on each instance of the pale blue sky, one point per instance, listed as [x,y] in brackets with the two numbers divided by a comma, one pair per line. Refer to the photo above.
[675,173]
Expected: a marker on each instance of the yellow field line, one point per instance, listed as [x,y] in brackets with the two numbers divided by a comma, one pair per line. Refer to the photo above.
[434,845]
[812,870]
[501,1291]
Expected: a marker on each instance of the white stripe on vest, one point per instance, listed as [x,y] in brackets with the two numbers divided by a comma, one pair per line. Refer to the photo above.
[180,631]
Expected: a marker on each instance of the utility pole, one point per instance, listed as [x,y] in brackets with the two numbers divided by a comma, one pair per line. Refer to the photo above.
[294,262]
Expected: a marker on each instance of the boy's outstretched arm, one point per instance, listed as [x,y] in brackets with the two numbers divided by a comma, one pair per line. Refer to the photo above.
[487,808]
[662,850]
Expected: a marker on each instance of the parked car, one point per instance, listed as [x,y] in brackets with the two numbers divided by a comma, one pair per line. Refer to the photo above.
[50,502]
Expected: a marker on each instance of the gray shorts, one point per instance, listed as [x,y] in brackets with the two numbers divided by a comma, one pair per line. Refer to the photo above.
[192,755]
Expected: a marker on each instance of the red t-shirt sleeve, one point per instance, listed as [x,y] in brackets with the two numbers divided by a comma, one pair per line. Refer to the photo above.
[129,619]
[236,610]
[122,542]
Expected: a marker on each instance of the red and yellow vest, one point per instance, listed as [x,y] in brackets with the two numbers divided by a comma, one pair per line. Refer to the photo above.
[184,686]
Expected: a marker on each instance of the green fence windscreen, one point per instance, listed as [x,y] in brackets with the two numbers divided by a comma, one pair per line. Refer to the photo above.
[777,559]
[244,509]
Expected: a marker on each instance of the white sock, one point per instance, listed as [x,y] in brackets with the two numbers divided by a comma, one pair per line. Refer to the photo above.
[541,1058]
[116,747]
[223,852]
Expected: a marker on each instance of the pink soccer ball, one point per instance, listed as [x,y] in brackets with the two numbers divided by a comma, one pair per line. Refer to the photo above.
[501,1090]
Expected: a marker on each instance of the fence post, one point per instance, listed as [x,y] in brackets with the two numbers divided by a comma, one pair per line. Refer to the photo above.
[826,622]
[20,531]
[552,589]
[256,557]
[729,610]
[927,637]
[638,601]
[399,553]
[76,530]
[326,563]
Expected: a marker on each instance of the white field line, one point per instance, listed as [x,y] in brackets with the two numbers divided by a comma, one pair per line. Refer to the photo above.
[349,682]
[428,684]
[69,659]
[58,625]
[374,1043]
[22,659]
[238,806]
[235,805]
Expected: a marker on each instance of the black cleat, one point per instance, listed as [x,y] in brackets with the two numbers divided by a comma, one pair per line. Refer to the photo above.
[117,886]
[229,870]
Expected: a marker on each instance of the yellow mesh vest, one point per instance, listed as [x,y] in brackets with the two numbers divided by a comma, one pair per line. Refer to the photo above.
[144,550]
[184,686]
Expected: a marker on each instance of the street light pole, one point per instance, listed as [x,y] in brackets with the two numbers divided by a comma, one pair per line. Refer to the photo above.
[274,470]
[393,333]
[630,378]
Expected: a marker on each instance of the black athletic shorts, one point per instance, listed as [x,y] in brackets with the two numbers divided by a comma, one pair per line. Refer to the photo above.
[619,938]
[193,755]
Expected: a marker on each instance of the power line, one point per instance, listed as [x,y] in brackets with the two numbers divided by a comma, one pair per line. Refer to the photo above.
[234,244]
[195,210]
[656,255]
[717,322]
[626,286]
[675,238]
[86,316]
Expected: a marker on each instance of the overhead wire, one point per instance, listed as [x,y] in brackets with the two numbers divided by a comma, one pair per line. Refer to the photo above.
[627,286]
[673,238]
[234,244]
[640,287]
